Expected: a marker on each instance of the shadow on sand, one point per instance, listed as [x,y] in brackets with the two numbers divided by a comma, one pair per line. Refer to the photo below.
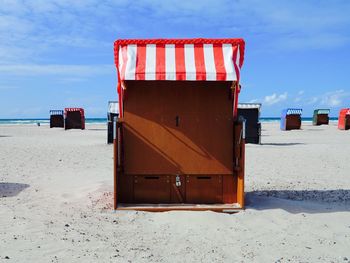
[283,144]
[97,129]
[5,136]
[11,189]
[300,201]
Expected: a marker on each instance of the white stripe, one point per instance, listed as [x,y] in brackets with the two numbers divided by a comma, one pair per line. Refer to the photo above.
[121,61]
[228,61]
[238,57]
[190,65]
[131,62]
[170,67]
[209,61]
[150,70]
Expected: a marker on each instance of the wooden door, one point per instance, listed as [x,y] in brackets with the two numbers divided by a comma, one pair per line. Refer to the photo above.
[179,128]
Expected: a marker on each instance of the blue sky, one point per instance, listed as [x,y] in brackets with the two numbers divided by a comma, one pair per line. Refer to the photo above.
[59,53]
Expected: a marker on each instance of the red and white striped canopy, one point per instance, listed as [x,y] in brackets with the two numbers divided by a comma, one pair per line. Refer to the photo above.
[179,59]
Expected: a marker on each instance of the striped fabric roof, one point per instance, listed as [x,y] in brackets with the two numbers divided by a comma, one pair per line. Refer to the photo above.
[113,107]
[323,111]
[249,106]
[346,111]
[294,111]
[179,59]
[56,112]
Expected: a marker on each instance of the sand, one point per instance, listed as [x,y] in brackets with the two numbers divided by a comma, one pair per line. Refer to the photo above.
[55,203]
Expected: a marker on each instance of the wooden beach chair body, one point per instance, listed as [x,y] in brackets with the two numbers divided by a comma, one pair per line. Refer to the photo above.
[74,118]
[251,113]
[344,119]
[321,117]
[56,119]
[112,112]
[178,144]
[291,119]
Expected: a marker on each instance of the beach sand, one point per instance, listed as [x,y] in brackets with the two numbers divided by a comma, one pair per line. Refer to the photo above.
[55,203]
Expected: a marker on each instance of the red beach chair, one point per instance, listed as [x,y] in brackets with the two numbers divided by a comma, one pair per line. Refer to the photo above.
[74,118]
[344,119]
[178,143]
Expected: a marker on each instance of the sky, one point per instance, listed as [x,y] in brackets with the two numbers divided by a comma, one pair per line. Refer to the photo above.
[59,53]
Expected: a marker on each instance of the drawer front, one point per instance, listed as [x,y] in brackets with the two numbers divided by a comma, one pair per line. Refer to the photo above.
[153,189]
[204,189]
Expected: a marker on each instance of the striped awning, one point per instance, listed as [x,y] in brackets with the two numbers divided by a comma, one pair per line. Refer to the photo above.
[113,107]
[179,59]
[249,106]
[323,111]
[294,112]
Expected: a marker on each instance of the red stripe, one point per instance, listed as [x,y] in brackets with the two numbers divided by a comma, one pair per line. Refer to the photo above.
[160,62]
[180,62]
[199,62]
[140,62]
[125,59]
[219,62]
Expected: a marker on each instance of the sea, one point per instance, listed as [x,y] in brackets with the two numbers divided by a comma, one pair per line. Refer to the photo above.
[35,121]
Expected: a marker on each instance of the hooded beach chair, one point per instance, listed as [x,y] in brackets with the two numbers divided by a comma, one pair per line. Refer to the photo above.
[291,119]
[74,118]
[321,117]
[251,113]
[56,119]
[344,119]
[179,144]
[112,112]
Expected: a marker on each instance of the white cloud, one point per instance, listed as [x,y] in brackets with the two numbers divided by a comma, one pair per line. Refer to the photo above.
[334,98]
[31,28]
[253,101]
[275,98]
[329,99]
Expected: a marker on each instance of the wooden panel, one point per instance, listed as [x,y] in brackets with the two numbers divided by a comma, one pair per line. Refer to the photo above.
[178,127]
[204,189]
[73,120]
[151,189]
[322,119]
[293,122]
[347,122]
[125,188]
[229,189]
[56,121]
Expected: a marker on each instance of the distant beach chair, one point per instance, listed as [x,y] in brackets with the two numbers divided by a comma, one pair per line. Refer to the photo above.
[291,119]
[321,117]
[74,118]
[113,111]
[344,119]
[56,119]
[251,113]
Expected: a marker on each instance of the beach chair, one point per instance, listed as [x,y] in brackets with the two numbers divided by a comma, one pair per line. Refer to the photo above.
[291,119]
[320,117]
[251,113]
[112,112]
[344,119]
[178,142]
[74,118]
[56,119]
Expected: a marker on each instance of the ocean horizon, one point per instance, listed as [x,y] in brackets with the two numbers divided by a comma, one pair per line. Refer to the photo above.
[30,121]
